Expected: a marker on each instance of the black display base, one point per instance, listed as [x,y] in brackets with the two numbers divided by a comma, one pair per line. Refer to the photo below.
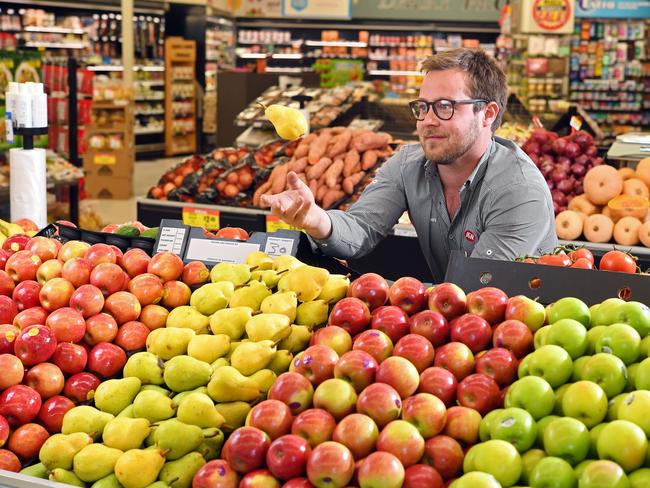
[28,135]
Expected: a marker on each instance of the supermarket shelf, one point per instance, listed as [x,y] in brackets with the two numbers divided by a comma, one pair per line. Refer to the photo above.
[297,42]
[390,72]
[115,67]
[150,99]
[287,56]
[155,130]
[151,112]
[16,480]
[150,82]
[252,55]
[57,45]
[54,30]
[336,43]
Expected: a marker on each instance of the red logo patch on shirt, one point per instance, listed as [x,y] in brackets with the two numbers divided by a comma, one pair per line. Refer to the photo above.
[469,235]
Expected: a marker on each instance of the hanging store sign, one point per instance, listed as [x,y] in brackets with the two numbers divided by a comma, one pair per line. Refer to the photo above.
[317,9]
[613,9]
[440,10]
[257,8]
[543,16]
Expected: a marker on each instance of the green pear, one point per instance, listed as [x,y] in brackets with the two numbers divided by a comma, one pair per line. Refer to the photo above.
[156,484]
[178,397]
[250,357]
[233,347]
[59,450]
[220,362]
[188,317]
[212,443]
[113,396]
[109,481]
[230,321]
[37,470]
[289,122]
[95,462]
[308,282]
[259,260]
[286,262]
[159,389]
[208,348]
[229,385]
[284,283]
[268,276]
[212,297]
[153,406]
[268,326]
[176,438]
[335,289]
[312,313]
[61,475]
[184,373]
[280,362]
[237,274]
[234,413]
[179,473]
[264,379]
[145,366]
[167,343]
[198,409]
[298,340]
[137,468]
[284,303]
[86,419]
[126,433]
[126,413]
[250,295]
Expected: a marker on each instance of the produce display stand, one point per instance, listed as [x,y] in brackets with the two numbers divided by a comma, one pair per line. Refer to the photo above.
[17,480]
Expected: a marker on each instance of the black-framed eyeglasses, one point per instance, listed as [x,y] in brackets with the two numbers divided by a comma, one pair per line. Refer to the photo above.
[443,107]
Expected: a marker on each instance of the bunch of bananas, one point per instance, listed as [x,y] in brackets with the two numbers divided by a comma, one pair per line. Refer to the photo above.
[7,229]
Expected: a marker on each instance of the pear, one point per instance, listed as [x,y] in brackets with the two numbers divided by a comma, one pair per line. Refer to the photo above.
[234,413]
[156,484]
[250,357]
[109,481]
[126,433]
[167,343]
[286,262]
[184,373]
[290,123]
[198,409]
[176,438]
[308,282]
[95,462]
[298,340]
[233,347]
[264,379]
[237,274]
[312,313]
[61,475]
[212,297]
[145,366]
[229,385]
[285,303]
[220,362]
[259,260]
[208,348]
[137,468]
[212,443]
[113,396]
[284,283]
[280,362]
[85,419]
[250,295]
[126,413]
[179,473]
[153,406]
[268,276]
[159,389]
[37,470]
[335,289]
[59,450]
[178,397]
[230,321]
[188,317]
[268,326]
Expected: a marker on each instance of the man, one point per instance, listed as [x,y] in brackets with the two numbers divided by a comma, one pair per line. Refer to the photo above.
[463,187]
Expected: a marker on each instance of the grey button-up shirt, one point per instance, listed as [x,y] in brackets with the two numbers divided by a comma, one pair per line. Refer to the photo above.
[505,210]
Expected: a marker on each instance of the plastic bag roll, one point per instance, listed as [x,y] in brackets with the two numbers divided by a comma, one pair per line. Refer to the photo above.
[28,186]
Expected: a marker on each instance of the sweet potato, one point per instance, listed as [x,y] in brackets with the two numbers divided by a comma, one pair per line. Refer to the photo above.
[330,197]
[339,144]
[317,170]
[352,158]
[301,151]
[261,190]
[280,179]
[298,165]
[369,159]
[309,138]
[320,193]
[318,148]
[370,140]
[351,181]
[333,173]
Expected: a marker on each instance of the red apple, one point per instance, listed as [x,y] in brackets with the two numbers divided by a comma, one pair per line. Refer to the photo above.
[19,404]
[35,344]
[147,288]
[449,300]
[245,450]
[420,475]
[100,328]
[46,378]
[528,311]
[294,390]
[108,277]
[381,403]
[215,474]
[81,387]
[358,433]
[287,457]
[316,363]
[166,266]
[426,412]
[175,294]
[106,360]
[12,371]
[25,295]
[88,300]
[43,247]
[100,253]
[356,367]
[72,249]
[4,255]
[123,307]
[77,271]
[392,321]
[351,314]
[399,373]
[403,440]
[455,357]
[154,316]
[7,285]
[259,478]
[70,358]
[22,266]
[56,294]
[333,336]
[301,482]
[371,289]
[272,417]
[439,382]
[381,469]
[132,336]
[417,349]
[8,334]
[9,461]
[8,310]
[473,331]
[498,363]
[31,316]
[514,336]
[119,256]
[67,324]
[330,464]
[48,270]
[374,342]
[489,303]
[314,425]
[409,294]
[432,326]
[26,440]
[135,262]
[463,424]
[479,392]
[52,412]
[195,273]
[15,243]
[445,454]
[4,430]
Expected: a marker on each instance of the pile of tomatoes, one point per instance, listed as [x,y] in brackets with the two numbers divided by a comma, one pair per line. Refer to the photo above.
[581,257]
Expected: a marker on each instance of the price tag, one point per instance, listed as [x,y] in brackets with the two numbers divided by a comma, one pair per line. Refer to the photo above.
[278,246]
[105,159]
[273,224]
[576,122]
[9,128]
[219,251]
[171,240]
[201,217]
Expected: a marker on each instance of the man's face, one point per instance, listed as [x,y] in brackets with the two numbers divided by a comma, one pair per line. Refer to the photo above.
[444,141]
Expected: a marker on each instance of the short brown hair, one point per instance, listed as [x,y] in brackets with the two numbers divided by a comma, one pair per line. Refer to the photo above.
[485,79]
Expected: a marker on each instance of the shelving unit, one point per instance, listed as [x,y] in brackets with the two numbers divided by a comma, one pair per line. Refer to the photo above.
[180,125]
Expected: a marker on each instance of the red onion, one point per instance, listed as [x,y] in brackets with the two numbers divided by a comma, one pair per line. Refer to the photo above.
[551,184]
[572,150]
[546,148]
[566,185]
[578,170]
[582,139]
[558,174]
[597,161]
[591,151]
[558,197]
[559,146]
[540,136]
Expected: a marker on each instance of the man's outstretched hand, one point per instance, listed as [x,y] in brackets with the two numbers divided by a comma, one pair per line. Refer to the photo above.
[296,207]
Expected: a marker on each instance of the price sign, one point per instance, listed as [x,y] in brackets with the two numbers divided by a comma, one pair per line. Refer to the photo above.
[105,159]
[278,246]
[9,128]
[576,123]
[201,217]
[274,224]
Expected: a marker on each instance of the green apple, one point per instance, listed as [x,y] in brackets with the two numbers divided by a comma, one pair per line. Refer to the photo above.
[624,443]
[603,474]
[476,479]
[528,461]
[593,335]
[570,308]
[552,363]
[486,424]
[592,312]
[593,440]
[539,339]
[635,408]
[640,478]
[533,394]
[570,335]
[523,368]
[580,468]
[541,427]
[567,438]
[585,401]
[578,365]
[552,472]
[642,380]
[637,315]
[622,341]
[613,405]
[516,426]
[559,395]
[632,371]
[607,371]
[498,458]
[607,313]
[645,346]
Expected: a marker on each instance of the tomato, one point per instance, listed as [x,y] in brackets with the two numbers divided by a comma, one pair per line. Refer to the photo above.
[618,261]
[583,252]
[233,233]
[583,263]
[555,260]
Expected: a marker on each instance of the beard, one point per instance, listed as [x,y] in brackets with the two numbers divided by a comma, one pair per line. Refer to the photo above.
[450,149]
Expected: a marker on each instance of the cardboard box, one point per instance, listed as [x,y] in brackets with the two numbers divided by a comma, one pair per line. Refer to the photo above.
[109,163]
[108,187]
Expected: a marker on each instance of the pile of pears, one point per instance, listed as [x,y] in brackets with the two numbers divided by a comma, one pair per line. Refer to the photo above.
[198,379]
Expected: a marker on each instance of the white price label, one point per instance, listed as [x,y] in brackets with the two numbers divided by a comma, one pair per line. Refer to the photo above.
[278,246]
[219,251]
[171,240]
[9,128]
